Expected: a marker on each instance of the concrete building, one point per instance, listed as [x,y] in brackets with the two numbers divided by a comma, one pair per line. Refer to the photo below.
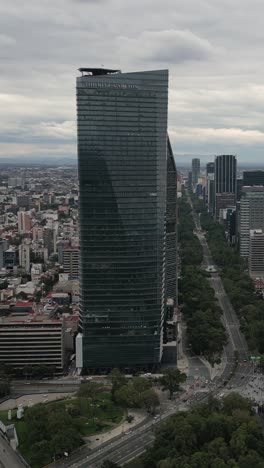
[251,215]
[10,258]
[24,255]
[256,253]
[71,260]
[224,201]
[195,171]
[37,233]
[16,182]
[48,239]
[36,272]
[3,248]
[24,222]
[32,340]
[23,201]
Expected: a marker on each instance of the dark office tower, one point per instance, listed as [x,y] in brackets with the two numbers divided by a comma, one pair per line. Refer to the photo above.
[189,181]
[225,182]
[239,188]
[122,160]
[171,229]
[251,178]
[195,170]
[210,168]
[210,195]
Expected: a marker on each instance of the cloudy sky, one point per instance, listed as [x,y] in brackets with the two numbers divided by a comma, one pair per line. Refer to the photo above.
[213,49]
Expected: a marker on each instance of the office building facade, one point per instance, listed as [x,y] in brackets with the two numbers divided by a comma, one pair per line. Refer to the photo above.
[28,340]
[210,168]
[251,215]
[256,253]
[195,170]
[225,182]
[171,229]
[255,177]
[71,261]
[122,159]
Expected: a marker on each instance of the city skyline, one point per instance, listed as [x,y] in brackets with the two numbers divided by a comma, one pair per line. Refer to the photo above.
[216,96]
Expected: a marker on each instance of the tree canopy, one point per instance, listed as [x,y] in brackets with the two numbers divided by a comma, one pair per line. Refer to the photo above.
[171,380]
[237,283]
[224,435]
[138,393]
[205,331]
[117,380]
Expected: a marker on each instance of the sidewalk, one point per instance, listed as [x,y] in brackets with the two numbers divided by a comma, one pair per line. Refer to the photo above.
[98,439]
[218,369]
[182,360]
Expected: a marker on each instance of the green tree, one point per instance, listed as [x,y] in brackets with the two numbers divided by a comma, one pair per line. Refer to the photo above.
[90,390]
[117,380]
[150,400]
[65,440]
[234,401]
[109,464]
[129,396]
[141,384]
[40,453]
[171,380]
[4,387]
[207,437]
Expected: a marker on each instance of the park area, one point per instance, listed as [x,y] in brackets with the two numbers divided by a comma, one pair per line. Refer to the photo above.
[49,430]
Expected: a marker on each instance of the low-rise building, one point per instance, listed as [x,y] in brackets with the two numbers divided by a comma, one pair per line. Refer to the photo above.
[36,272]
[32,341]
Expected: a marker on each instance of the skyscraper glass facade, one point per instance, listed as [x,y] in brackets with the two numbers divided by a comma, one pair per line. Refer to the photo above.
[195,170]
[122,158]
[225,182]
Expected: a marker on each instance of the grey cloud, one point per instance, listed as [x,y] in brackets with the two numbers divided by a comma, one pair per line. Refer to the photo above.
[169,46]
[213,50]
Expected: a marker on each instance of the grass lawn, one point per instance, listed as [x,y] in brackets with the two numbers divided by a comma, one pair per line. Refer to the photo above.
[21,429]
[88,418]
[93,419]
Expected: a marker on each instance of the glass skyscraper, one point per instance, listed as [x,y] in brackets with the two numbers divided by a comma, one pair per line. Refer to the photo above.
[225,182]
[123,166]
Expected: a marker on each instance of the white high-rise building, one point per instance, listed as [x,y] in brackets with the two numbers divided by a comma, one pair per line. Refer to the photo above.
[24,256]
[251,215]
[24,222]
[256,253]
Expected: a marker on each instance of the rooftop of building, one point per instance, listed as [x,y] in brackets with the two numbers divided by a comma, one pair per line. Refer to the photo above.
[38,319]
[98,71]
